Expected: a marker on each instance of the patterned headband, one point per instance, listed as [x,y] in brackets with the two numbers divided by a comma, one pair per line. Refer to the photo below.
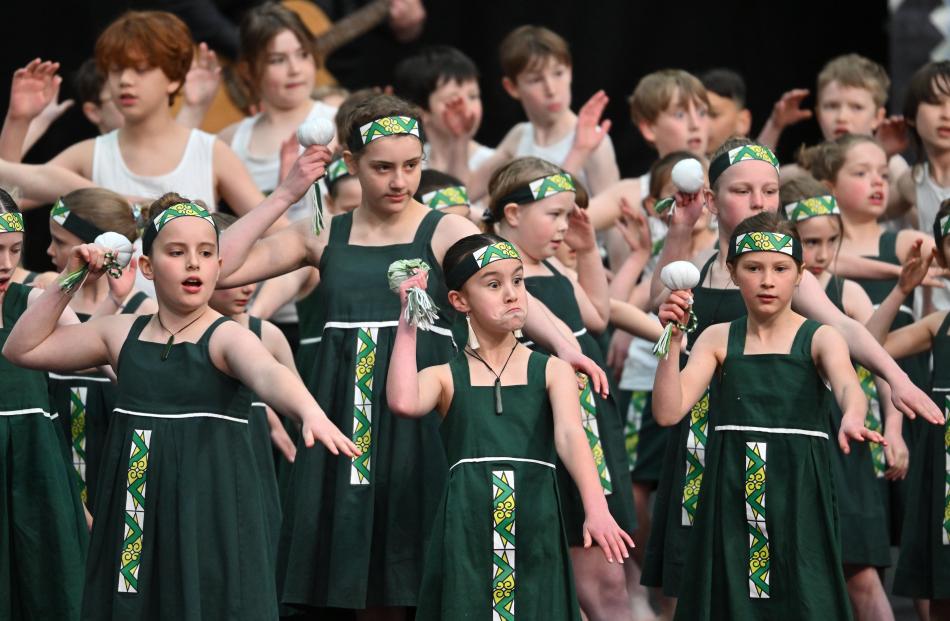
[177,210]
[941,229]
[451,196]
[386,126]
[740,154]
[765,241]
[11,222]
[81,228]
[472,263]
[531,192]
[337,170]
[812,207]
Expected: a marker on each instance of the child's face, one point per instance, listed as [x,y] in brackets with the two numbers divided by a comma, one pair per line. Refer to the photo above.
[745,189]
[105,115]
[683,126]
[847,110]
[544,89]
[820,237]
[288,72]
[388,170]
[861,185]
[348,196]
[61,244]
[495,297]
[11,247]
[567,256]
[233,301]
[766,280]
[933,123]
[450,91]
[139,91]
[726,119]
[184,263]
[538,228]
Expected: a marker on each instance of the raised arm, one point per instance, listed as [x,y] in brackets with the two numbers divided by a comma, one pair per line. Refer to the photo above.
[912,273]
[42,183]
[631,319]
[678,244]
[590,288]
[275,292]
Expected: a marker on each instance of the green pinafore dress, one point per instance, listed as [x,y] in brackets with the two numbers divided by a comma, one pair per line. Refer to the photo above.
[43,534]
[310,314]
[765,542]
[498,549]
[865,540]
[84,402]
[600,418]
[354,530]
[923,568]
[917,367]
[181,528]
[678,492]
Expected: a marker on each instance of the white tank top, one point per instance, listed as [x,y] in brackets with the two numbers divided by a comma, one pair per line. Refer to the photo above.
[555,153]
[475,160]
[929,197]
[193,177]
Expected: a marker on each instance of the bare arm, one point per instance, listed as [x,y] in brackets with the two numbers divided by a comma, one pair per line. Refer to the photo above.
[233,182]
[631,319]
[278,291]
[201,85]
[42,183]
[477,180]
[591,289]
[675,391]
[849,265]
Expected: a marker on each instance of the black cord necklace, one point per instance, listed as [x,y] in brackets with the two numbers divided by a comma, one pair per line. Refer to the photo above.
[471,352]
[171,339]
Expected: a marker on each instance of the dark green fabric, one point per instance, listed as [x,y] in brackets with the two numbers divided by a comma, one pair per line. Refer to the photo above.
[457,582]
[204,552]
[43,533]
[645,438]
[806,581]
[923,568]
[350,545]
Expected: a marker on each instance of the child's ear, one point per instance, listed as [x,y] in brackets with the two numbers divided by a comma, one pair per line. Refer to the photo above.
[511,214]
[458,302]
[92,113]
[743,122]
[711,201]
[174,87]
[647,131]
[510,88]
[145,266]
[350,159]
[879,117]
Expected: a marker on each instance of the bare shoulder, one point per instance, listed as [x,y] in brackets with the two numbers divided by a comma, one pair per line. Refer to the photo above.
[450,229]
[272,337]
[226,135]
[557,370]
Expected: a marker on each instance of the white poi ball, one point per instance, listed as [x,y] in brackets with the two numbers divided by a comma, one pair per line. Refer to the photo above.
[317,131]
[680,275]
[120,246]
[688,176]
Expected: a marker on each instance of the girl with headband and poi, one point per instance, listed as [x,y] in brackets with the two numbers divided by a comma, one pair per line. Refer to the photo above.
[179,487]
[766,531]
[354,528]
[43,533]
[507,411]
[744,181]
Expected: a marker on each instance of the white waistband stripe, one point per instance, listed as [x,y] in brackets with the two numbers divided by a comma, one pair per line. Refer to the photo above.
[480,460]
[580,332]
[347,325]
[311,341]
[83,378]
[777,430]
[183,415]
[29,411]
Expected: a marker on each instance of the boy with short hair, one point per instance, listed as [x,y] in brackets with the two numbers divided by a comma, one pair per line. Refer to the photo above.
[97,104]
[728,114]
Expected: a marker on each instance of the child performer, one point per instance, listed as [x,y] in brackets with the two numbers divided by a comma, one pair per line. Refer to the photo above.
[765,541]
[180,491]
[501,443]
[43,533]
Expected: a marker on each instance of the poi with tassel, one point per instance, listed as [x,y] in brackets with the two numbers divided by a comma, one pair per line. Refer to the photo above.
[119,255]
[676,276]
[318,131]
[421,310]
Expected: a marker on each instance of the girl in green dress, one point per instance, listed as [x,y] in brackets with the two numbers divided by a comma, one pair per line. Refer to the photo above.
[857,475]
[766,532]
[354,529]
[506,412]
[181,526]
[43,532]
[533,204]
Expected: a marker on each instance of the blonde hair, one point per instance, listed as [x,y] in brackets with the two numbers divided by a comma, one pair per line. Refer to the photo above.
[527,47]
[514,174]
[104,209]
[655,92]
[856,71]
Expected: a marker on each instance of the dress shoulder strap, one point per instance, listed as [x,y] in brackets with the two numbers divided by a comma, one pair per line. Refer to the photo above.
[255,325]
[944,325]
[427,227]
[206,337]
[735,346]
[705,269]
[340,229]
[801,346]
[134,304]
[537,369]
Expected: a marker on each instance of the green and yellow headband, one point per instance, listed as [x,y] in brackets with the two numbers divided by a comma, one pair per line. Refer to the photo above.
[451,196]
[740,154]
[336,170]
[941,229]
[386,126]
[478,260]
[764,241]
[83,229]
[11,222]
[532,191]
[812,208]
[177,210]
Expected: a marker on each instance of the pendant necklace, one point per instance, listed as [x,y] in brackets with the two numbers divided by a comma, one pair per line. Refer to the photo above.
[471,352]
[171,339]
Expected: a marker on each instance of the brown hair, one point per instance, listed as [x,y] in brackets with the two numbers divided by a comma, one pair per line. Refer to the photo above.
[258,28]
[764,221]
[731,143]
[155,38]
[345,111]
[824,161]
[223,220]
[514,174]
[799,188]
[662,170]
[528,47]
[655,93]
[856,71]
[104,209]
[369,109]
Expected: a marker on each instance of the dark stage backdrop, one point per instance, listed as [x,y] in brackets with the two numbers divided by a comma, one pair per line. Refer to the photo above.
[776,46]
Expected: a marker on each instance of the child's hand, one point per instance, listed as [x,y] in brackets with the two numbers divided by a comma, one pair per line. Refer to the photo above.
[306,169]
[580,234]
[634,228]
[583,364]
[788,111]
[893,136]
[459,118]
[676,309]
[203,79]
[590,130]
[601,528]
[419,279]
[852,428]
[688,209]
[34,87]
[122,286]
[289,151]
[915,268]
[318,428]
[897,456]
[617,352]
[279,436]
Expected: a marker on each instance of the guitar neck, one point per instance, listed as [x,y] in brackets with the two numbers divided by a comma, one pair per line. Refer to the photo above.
[352,26]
